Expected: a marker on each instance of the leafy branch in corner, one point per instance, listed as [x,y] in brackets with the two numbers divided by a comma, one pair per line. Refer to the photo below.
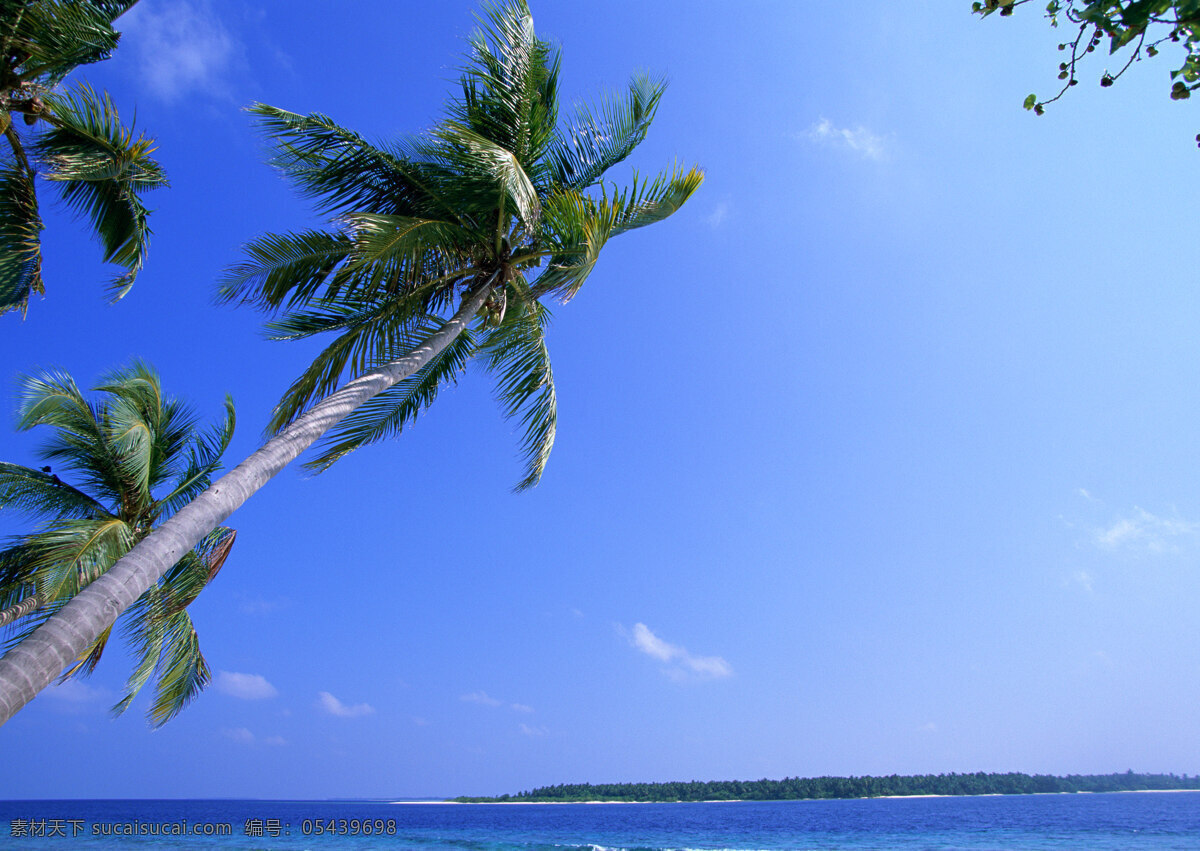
[1143,27]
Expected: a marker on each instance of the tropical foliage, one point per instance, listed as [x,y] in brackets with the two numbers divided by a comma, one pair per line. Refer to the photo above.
[1134,28]
[795,788]
[69,135]
[493,210]
[135,456]
[498,196]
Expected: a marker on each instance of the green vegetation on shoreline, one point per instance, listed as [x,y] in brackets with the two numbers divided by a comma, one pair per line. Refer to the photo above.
[797,788]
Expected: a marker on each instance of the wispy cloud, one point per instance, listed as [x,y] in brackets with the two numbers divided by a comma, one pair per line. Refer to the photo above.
[238,734]
[181,46]
[1083,579]
[717,216]
[243,736]
[533,731]
[245,686]
[485,699]
[859,139]
[682,663]
[482,698]
[1144,532]
[335,707]
[73,691]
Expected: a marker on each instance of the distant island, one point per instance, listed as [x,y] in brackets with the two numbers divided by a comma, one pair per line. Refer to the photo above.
[798,788]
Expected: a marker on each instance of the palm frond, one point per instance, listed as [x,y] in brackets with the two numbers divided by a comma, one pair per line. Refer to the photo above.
[371,334]
[162,635]
[161,632]
[576,229]
[516,352]
[344,172]
[183,671]
[510,84]
[494,167]
[18,570]
[90,658]
[203,463]
[647,202]
[53,399]
[73,553]
[38,492]
[53,37]
[285,269]
[20,238]
[577,226]
[398,253]
[388,413]
[601,137]
[101,168]
[124,446]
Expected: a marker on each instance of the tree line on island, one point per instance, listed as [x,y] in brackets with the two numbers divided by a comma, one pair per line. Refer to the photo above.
[798,788]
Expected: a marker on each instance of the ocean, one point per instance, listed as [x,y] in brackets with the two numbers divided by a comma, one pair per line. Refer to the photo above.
[1095,822]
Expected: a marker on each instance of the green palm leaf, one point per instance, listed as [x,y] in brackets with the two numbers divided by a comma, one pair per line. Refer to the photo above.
[494,168]
[39,492]
[53,37]
[368,332]
[121,449]
[285,269]
[516,352]
[101,168]
[345,173]
[510,84]
[20,238]
[388,413]
[600,137]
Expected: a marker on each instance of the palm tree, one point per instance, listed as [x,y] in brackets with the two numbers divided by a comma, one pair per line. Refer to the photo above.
[129,446]
[72,137]
[495,209]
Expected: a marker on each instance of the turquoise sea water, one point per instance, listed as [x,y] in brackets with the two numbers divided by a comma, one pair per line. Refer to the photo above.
[1013,823]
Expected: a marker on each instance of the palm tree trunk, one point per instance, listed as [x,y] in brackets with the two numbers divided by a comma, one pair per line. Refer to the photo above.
[31,665]
[21,609]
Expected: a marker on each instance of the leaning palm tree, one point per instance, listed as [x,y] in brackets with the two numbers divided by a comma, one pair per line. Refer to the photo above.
[444,247]
[71,136]
[136,456]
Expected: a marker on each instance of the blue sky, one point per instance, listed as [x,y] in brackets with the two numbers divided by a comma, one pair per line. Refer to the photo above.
[879,457]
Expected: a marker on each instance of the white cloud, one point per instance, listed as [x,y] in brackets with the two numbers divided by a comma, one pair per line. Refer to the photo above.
[652,645]
[482,698]
[485,699]
[238,734]
[1145,532]
[245,686]
[860,140]
[1083,579]
[684,663]
[333,706]
[73,691]
[181,46]
[717,217]
[533,731]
